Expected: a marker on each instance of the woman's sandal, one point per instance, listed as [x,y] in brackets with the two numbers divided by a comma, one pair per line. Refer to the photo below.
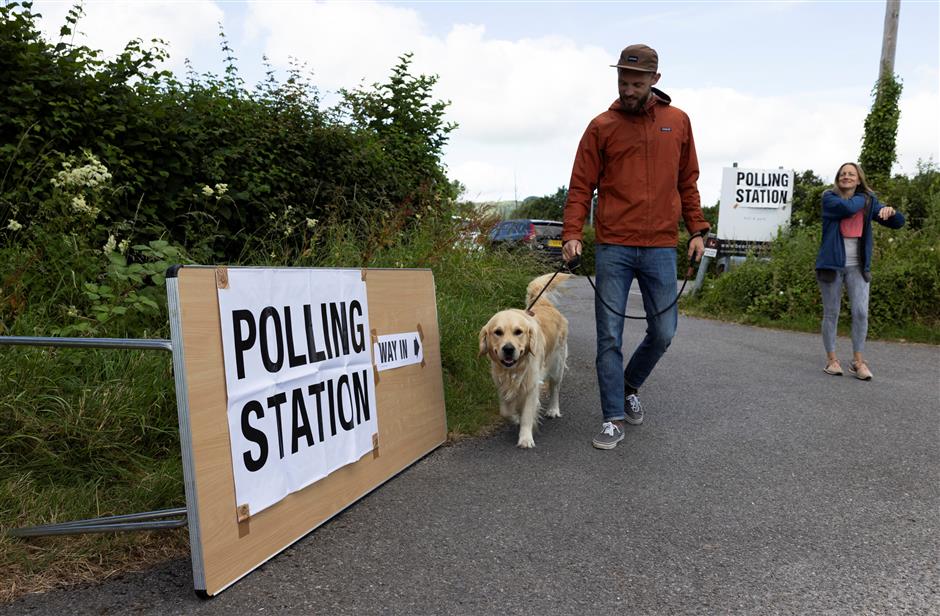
[833,368]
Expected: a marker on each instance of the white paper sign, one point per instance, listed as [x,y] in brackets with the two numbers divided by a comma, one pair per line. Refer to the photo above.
[755,203]
[298,374]
[397,350]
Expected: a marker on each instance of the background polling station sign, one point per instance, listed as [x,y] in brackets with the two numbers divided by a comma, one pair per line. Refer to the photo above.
[754,205]
[284,419]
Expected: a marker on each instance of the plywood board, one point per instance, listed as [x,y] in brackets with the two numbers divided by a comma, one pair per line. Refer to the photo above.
[409,409]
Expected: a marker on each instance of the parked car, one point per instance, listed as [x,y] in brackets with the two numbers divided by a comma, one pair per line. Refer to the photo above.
[541,235]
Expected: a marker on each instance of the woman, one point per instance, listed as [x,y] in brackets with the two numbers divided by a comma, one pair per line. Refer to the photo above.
[845,258]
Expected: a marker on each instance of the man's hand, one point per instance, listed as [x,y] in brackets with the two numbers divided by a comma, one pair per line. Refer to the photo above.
[571,249]
[697,248]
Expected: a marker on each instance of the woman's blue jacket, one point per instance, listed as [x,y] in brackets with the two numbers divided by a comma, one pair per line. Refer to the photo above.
[834,208]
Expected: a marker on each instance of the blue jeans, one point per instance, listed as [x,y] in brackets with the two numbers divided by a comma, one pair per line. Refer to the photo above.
[655,271]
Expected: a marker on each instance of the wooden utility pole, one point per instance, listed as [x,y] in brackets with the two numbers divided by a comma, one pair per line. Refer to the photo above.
[889,41]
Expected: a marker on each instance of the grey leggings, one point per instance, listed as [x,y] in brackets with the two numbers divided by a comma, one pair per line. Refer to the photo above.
[857,288]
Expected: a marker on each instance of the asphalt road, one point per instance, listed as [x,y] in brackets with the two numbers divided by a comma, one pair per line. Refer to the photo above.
[757,485]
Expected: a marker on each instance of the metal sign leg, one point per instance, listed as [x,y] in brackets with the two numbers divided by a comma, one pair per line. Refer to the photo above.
[149,520]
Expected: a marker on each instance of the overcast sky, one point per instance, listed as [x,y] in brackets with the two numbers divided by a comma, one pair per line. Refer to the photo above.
[766,84]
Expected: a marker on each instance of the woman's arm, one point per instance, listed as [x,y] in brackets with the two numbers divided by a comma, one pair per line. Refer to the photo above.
[835,207]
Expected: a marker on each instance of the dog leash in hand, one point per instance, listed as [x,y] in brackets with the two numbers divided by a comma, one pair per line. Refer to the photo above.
[576,261]
[597,294]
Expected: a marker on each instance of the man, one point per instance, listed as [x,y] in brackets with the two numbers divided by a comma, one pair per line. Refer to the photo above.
[640,156]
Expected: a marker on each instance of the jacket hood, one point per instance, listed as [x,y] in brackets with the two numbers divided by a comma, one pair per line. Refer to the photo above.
[657,97]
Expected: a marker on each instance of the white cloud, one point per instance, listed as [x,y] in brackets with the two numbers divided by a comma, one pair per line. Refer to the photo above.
[343,42]
[109,26]
[815,130]
[919,128]
[527,90]
[521,105]
[812,131]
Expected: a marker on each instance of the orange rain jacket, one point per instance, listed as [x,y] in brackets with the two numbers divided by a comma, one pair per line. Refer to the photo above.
[645,170]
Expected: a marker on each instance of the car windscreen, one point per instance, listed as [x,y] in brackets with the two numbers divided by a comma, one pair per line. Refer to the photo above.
[548,230]
[510,230]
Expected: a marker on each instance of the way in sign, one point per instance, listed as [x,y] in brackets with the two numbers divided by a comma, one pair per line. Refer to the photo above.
[397,350]
[389,351]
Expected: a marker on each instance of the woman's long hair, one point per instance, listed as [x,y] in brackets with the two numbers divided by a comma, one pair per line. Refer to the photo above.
[862,187]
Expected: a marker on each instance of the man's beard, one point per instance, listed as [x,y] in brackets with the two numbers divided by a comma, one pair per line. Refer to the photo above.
[634,105]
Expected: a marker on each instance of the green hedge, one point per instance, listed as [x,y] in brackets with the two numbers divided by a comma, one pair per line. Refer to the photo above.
[168,143]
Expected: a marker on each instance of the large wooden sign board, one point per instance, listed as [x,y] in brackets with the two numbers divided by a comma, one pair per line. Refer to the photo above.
[409,401]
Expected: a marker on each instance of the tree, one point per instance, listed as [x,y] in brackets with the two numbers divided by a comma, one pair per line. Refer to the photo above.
[881,125]
[549,207]
[881,131]
[807,191]
[410,127]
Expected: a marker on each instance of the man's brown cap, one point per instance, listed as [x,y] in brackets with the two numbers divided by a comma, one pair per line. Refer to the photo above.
[638,58]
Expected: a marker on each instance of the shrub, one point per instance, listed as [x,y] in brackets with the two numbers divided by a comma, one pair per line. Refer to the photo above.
[904,293]
[913,195]
[166,141]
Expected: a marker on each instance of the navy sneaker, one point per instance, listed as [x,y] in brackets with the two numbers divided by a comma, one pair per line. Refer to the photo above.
[633,410]
[609,436]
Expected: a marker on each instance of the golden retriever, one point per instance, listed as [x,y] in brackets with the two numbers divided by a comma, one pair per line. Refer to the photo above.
[525,350]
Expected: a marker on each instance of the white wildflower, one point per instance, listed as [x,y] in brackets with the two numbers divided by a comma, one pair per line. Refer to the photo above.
[90,175]
[207,191]
[109,245]
[123,245]
[15,226]
[221,189]
[890,239]
[73,311]
[311,223]
[80,206]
